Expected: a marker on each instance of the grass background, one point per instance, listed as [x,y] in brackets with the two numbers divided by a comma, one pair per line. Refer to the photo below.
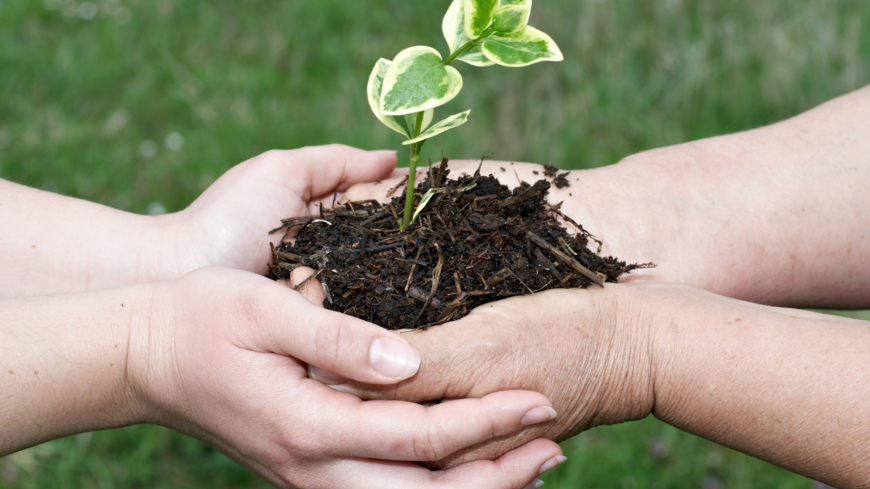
[142,104]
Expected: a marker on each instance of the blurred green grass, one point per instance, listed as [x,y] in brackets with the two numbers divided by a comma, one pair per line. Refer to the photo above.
[142,104]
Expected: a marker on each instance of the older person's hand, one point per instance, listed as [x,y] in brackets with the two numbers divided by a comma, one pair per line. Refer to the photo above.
[587,350]
[787,386]
[774,215]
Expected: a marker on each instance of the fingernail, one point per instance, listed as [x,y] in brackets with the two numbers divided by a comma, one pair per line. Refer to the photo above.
[535,484]
[552,463]
[325,377]
[384,152]
[393,358]
[538,415]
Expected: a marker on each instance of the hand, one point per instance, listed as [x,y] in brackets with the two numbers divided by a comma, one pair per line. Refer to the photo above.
[587,350]
[767,216]
[228,224]
[786,386]
[221,355]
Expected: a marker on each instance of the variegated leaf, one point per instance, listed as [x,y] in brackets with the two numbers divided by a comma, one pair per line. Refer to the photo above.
[402,124]
[511,18]
[504,3]
[521,48]
[454,120]
[416,80]
[478,16]
[453,27]
[422,205]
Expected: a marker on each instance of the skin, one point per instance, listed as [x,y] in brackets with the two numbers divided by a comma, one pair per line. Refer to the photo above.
[63,244]
[789,387]
[103,324]
[775,216]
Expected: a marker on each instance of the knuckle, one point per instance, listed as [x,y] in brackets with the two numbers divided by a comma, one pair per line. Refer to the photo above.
[430,444]
[329,342]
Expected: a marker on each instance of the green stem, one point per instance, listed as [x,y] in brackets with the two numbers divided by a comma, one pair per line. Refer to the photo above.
[412,173]
[483,35]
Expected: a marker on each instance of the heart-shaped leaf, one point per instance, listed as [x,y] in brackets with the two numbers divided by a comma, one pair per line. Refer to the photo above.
[453,27]
[521,48]
[447,124]
[416,80]
[511,18]
[402,124]
[478,16]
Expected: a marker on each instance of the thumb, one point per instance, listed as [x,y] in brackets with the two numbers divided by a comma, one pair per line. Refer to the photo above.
[331,341]
[335,168]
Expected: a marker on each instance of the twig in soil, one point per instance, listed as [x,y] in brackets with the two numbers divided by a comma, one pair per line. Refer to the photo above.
[302,283]
[379,215]
[365,250]
[413,267]
[436,276]
[397,187]
[538,189]
[291,222]
[564,245]
[578,227]
[326,291]
[566,259]
[420,295]
[523,283]
[550,266]
[442,170]
[499,277]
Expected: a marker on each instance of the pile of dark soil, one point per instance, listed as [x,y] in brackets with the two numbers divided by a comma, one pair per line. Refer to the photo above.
[474,242]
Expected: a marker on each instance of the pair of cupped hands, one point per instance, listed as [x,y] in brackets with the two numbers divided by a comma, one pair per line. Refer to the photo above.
[311,398]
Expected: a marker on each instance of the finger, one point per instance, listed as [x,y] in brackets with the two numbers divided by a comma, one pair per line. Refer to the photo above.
[324,170]
[455,355]
[332,341]
[513,470]
[314,292]
[311,290]
[394,430]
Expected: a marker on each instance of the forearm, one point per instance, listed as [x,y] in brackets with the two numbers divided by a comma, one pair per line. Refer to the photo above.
[776,215]
[54,244]
[64,365]
[789,387]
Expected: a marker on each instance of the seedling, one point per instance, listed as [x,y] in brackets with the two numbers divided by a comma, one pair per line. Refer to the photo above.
[404,92]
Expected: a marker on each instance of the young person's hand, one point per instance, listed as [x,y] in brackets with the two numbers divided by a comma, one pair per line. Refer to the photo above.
[221,355]
[61,244]
[787,386]
[228,224]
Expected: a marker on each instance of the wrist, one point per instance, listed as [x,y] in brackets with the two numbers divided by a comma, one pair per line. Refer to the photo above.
[166,251]
[65,366]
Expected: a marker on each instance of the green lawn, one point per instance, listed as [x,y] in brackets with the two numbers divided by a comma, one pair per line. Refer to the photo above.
[142,104]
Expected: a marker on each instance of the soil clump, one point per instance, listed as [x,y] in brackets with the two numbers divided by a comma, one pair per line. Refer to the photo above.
[475,241]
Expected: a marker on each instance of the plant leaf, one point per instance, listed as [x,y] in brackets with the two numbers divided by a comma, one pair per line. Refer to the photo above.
[454,120]
[423,201]
[453,27]
[505,3]
[416,80]
[521,48]
[478,16]
[511,18]
[402,124]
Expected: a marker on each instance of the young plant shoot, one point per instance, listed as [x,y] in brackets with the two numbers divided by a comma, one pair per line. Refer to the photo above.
[404,92]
